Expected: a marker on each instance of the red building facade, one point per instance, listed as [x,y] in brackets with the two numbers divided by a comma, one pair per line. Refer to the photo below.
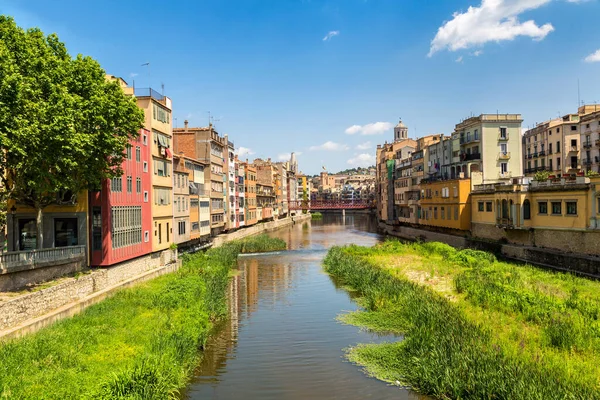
[120,214]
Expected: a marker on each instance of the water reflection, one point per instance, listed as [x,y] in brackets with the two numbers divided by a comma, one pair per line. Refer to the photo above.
[282,340]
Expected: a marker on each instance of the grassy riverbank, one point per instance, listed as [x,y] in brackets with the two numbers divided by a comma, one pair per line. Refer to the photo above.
[474,327]
[142,343]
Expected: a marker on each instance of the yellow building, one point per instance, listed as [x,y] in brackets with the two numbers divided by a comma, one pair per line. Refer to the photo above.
[446,204]
[561,213]
[157,111]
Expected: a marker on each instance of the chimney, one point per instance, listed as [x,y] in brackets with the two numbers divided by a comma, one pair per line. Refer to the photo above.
[185,125]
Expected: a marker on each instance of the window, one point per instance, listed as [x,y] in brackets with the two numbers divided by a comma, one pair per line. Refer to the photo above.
[129,184]
[480,206]
[146,236]
[573,127]
[145,197]
[503,132]
[558,147]
[503,148]
[145,166]
[65,232]
[128,152]
[181,226]
[573,142]
[168,232]
[126,226]
[488,206]
[116,184]
[145,139]
[138,153]
[549,148]
[138,185]
[161,167]
[527,209]
[456,213]
[160,114]
[159,233]
[542,207]
[96,228]
[162,196]
[556,208]
[195,226]
[503,168]
[443,213]
[571,207]
[558,163]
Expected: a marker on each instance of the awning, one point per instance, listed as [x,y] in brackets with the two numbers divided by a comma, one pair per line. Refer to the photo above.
[168,152]
[162,141]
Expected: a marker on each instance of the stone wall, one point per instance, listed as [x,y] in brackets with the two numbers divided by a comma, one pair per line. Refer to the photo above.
[259,228]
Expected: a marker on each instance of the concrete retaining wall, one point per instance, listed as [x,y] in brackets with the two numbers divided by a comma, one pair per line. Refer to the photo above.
[32,311]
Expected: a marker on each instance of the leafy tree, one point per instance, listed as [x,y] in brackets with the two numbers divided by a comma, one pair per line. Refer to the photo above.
[63,126]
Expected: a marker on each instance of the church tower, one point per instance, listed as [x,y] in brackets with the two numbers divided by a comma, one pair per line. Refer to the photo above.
[400,132]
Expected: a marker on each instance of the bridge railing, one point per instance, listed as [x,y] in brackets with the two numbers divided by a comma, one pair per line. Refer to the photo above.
[330,204]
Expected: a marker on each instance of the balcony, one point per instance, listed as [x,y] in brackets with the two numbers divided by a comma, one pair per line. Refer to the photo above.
[504,156]
[502,136]
[587,161]
[529,156]
[27,260]
[148,92]
[573,149]
[587,145]
[542,153]
[505,175]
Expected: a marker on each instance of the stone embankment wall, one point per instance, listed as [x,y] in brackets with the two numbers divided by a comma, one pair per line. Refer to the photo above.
[32,311]
[571,259]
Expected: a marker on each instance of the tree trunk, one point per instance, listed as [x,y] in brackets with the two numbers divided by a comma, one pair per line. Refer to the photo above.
[40,229]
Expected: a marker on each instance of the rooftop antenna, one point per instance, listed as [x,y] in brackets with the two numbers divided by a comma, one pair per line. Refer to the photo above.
[162,88]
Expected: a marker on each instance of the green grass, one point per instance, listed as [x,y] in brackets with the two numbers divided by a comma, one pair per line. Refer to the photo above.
[474,327]
[142,343]
[316,215]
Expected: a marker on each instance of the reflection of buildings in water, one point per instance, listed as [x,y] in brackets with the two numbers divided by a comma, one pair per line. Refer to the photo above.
[250,283]
[222,341]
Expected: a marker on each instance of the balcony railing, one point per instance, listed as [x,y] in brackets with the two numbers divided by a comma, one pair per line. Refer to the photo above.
[503,136]
[542,153]
[148,92]
[587,161]
[573,149]
[529,155]
[505,175]
[587,145]
[504,155]
[18,259]
[470,156]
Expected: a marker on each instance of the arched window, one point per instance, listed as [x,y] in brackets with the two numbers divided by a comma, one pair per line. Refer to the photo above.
[526,209]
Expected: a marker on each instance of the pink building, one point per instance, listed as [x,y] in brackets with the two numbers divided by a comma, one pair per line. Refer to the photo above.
[120,214]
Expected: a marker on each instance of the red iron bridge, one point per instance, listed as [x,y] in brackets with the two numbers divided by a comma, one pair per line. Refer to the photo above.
[331,205]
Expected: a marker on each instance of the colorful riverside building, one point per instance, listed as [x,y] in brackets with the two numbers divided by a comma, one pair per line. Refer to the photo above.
[240,194]
[205,145]
[120,213]
[181,202]
[250,193]
[157,113]
[445,204]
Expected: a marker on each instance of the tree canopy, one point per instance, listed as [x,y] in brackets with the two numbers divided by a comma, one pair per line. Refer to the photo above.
[63,126]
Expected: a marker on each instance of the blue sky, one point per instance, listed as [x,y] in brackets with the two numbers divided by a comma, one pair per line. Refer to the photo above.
[300,75]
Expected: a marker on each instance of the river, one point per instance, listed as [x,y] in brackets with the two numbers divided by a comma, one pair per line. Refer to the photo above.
[282,340]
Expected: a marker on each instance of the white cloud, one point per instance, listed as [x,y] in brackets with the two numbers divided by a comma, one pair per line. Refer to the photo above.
[243,152]
[492,21]
[374,128]
[594,57]
[477,53]
[330,146]
[459,59]
[133,75]
[287,156]
[364,146]
[362,160]
[330,35]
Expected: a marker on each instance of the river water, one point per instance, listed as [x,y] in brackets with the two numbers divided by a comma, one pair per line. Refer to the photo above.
[282,340]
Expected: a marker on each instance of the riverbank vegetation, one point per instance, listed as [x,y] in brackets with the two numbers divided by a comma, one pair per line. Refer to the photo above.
[474,327]
[316,215]
[142,343]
